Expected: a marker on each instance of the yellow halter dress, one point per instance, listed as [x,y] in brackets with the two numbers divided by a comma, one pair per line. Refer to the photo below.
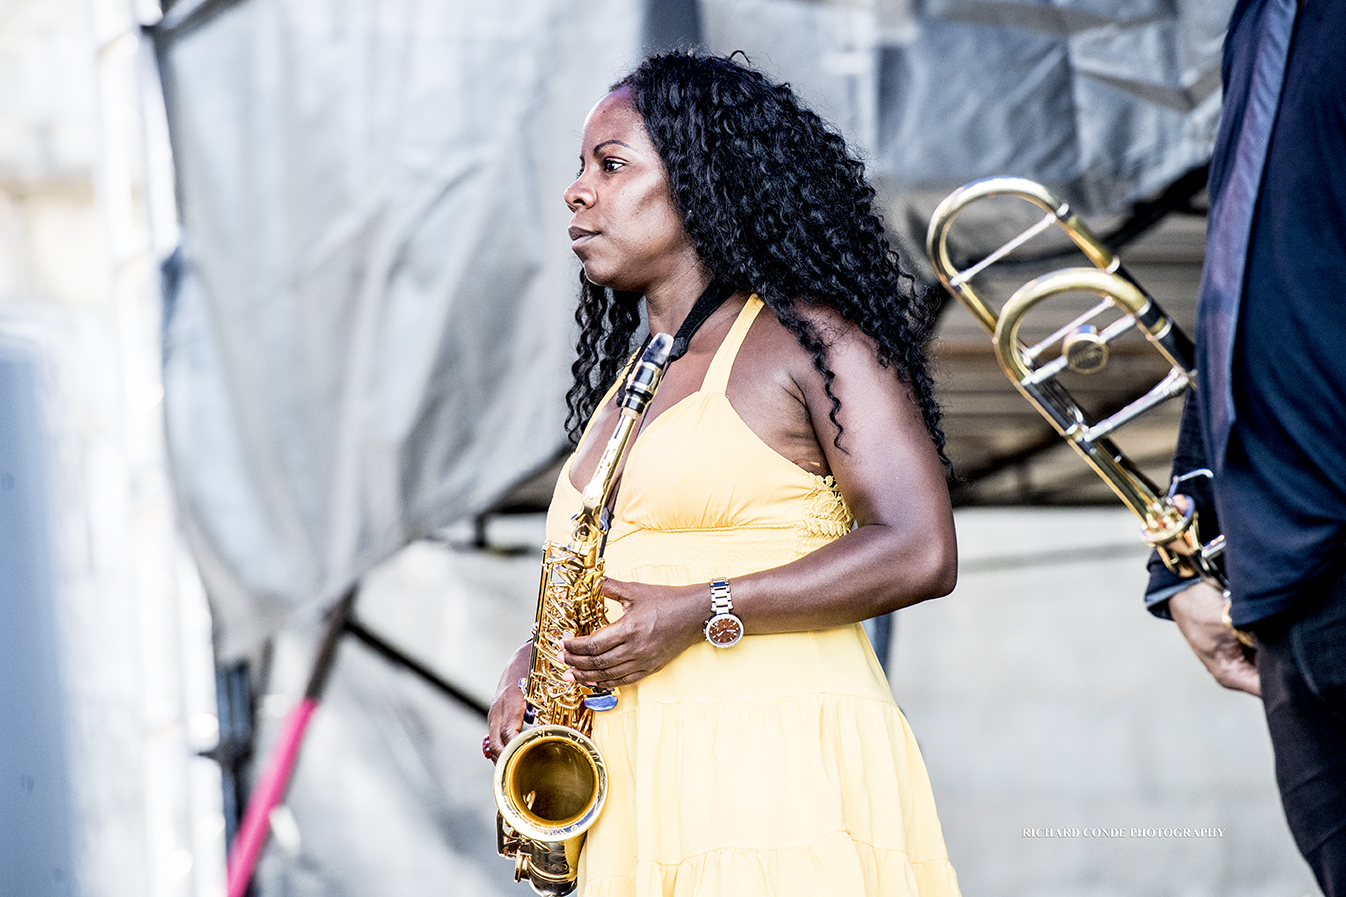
[780,766]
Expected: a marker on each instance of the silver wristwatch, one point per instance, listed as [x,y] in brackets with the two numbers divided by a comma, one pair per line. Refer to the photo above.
[724,628]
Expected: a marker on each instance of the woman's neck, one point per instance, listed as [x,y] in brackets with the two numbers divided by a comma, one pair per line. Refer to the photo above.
[667,305]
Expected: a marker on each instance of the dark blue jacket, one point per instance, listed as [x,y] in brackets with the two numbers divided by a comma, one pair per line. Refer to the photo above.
[1281,491]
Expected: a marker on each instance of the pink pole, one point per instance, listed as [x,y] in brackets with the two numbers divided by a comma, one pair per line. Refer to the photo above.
[256,825]
[270,788]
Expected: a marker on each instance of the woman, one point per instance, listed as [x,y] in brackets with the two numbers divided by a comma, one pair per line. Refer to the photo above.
[788,474]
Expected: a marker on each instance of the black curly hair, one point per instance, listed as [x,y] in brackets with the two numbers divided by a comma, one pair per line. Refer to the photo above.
[775,204]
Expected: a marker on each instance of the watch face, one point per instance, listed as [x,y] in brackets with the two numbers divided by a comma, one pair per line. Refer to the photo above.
[724,630]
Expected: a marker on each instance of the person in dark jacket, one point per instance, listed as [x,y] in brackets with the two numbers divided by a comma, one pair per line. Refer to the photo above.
[1269,415]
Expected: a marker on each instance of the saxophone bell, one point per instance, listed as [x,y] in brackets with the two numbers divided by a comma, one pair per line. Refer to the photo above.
[550,788]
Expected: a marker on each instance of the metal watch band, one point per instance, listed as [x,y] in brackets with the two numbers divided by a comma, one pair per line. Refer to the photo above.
[720,602]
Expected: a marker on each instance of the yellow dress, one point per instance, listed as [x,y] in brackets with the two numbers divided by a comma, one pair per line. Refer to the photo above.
[780,766]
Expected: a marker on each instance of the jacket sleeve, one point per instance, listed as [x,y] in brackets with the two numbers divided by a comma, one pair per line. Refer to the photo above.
[1189,455]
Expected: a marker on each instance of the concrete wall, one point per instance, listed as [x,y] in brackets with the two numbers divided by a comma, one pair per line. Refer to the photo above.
[127,653]
[1046,698]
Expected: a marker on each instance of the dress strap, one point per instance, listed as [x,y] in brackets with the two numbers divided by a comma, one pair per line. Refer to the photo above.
[717,375]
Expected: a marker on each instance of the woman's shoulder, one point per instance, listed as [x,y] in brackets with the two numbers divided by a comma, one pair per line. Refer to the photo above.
[792,334]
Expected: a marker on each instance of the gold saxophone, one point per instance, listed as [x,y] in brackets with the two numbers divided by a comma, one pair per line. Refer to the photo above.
[551,781]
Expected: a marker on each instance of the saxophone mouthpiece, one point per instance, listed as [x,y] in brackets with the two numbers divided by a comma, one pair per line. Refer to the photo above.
[657,351]
[650,369]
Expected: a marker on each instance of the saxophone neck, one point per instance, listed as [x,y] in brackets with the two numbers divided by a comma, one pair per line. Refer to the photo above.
[591,521]
[599,489]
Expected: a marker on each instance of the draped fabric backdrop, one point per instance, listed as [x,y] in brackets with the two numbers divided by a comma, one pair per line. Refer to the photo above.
[368,330]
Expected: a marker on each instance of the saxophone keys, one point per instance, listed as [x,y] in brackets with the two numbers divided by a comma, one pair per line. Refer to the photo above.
[601,699]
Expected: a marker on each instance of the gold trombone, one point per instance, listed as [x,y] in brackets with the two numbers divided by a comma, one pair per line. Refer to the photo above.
[1168,519]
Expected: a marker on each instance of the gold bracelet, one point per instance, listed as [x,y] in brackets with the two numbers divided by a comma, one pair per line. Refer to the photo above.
[1244,637]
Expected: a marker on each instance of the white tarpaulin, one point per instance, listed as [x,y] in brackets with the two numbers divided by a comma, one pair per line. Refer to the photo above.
[370,332]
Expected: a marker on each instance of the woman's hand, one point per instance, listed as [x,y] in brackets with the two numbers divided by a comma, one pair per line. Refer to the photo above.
[506,716]
[657,624]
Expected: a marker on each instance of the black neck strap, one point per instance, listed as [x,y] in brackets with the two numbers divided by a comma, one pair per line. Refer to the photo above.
[714,296]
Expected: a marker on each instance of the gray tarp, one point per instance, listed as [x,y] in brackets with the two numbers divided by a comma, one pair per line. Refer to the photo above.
[1106,101]
[371,331]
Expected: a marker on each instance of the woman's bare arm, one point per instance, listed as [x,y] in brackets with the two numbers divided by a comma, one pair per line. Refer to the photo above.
[901,552]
